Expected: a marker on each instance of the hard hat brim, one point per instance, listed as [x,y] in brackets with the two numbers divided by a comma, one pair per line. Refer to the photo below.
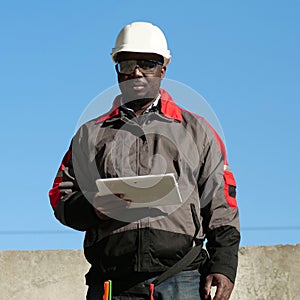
[166,55]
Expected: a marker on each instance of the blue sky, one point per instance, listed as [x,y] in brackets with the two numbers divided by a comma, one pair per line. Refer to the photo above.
[241,56]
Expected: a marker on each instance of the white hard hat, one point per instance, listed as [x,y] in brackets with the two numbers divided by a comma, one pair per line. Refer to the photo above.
[142,37]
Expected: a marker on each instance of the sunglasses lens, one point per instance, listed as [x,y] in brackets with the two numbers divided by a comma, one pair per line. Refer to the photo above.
[147,65]
[126,66]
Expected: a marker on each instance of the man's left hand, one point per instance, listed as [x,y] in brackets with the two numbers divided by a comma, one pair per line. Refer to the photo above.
[223,283]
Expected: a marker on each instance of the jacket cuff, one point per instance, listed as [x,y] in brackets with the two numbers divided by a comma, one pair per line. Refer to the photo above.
[228,269]
[222,246]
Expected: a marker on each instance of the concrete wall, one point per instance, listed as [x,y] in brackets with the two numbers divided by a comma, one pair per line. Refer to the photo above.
[264,273]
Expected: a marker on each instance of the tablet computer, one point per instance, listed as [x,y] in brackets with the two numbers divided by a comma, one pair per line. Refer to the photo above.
[143,191]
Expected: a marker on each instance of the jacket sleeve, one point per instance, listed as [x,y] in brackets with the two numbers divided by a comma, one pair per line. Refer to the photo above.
[69,203]
[219,210]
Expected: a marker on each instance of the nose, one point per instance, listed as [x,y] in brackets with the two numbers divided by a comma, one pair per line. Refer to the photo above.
[137,72]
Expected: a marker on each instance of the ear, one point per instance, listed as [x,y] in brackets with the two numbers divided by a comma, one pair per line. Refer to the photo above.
[163,72]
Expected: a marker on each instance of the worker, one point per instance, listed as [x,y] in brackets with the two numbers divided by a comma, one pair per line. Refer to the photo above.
[150,252]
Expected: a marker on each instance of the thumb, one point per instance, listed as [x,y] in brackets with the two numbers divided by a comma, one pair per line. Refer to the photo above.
[207,287]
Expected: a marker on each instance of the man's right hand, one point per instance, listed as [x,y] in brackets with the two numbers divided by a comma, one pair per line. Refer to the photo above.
[223,284]
[107,205]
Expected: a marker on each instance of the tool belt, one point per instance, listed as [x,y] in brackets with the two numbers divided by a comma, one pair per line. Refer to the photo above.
[142,289]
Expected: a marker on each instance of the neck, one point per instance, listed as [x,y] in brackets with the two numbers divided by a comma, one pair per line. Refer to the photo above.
[140,105]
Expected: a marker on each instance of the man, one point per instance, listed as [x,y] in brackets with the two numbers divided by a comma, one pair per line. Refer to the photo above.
[150,251]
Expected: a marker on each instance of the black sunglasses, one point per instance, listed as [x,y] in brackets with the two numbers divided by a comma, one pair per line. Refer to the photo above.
[146,66]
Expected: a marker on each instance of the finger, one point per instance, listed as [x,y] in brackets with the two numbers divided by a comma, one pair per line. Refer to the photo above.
[120,195]
[223,293]
[128,203]
[220,292]
[109,196]
[207,286]
[224,287]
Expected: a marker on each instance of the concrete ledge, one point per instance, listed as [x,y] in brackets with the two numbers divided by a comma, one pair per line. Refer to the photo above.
[268,273]
[42,275]
[264,273]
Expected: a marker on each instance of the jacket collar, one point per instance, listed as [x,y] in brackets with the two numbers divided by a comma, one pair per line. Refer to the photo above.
[168,108]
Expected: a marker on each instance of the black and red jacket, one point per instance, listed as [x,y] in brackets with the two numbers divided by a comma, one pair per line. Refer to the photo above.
[166,140]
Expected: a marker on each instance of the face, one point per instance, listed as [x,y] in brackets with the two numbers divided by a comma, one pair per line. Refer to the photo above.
[140,86]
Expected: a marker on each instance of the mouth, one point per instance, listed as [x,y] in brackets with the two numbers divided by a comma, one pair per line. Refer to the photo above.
[138,87]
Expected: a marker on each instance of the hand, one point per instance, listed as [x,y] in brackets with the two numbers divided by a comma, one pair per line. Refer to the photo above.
[110,204]
[224,286]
